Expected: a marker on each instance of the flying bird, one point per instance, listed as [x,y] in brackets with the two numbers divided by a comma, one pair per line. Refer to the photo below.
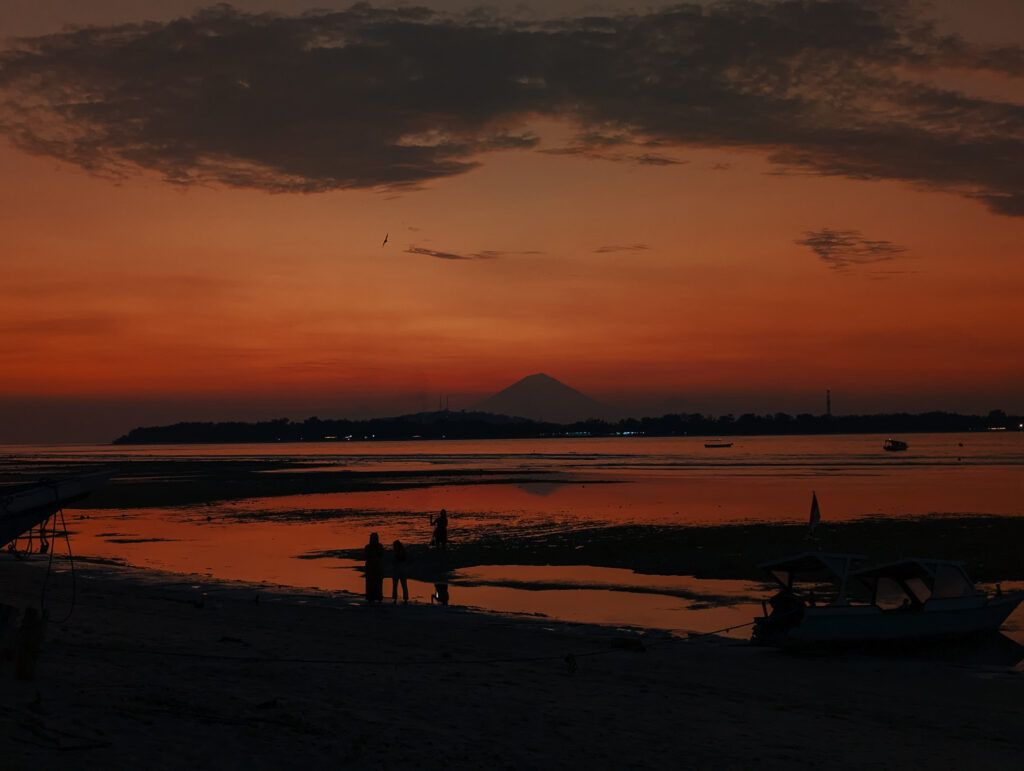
[385,239]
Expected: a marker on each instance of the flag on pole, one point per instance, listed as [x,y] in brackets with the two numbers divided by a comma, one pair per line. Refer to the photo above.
[815,511]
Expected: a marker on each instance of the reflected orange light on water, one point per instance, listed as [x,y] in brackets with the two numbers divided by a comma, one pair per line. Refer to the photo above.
[164,540]
[672,498]
[266,554]
[306,541]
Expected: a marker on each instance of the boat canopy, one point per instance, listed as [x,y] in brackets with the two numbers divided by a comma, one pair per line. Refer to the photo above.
[811,565]
[915,581]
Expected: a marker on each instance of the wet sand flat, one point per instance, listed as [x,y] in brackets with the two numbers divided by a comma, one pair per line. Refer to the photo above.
[155,673]
[287,520]
[255,492]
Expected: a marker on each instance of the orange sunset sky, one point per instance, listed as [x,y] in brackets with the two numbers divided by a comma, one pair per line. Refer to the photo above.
[704,208]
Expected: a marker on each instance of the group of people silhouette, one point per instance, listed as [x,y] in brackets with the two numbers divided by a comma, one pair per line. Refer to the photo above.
[373,554]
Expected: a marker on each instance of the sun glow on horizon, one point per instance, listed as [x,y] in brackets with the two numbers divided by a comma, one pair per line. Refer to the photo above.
[611,241]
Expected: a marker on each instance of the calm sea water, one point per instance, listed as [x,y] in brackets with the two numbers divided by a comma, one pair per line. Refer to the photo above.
[656,481]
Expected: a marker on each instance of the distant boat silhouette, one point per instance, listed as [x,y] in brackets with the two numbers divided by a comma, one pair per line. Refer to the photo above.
[894,445]
[717,443]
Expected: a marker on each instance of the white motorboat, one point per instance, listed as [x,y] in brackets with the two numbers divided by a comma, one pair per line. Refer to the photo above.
[911,599]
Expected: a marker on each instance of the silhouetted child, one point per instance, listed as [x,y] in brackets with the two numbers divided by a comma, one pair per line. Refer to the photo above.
[400,571]
[374,554]
[440,539]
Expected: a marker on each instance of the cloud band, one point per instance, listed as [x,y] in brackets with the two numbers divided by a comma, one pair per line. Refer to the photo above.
[393,98]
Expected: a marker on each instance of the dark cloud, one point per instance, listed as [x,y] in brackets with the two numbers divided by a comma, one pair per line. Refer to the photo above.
[437,254]
[598,146]
[844,248]
[650,159]
[486,254]
[617,248]
[393,98]
[592,154]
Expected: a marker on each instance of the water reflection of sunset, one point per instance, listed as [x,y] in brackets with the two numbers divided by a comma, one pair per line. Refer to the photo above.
[681,497]
[267,553]
[524,496]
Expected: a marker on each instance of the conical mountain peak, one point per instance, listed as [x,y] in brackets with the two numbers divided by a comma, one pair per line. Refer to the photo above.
[542,397]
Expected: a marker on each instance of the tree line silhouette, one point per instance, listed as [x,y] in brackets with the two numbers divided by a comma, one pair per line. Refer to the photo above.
[447,424]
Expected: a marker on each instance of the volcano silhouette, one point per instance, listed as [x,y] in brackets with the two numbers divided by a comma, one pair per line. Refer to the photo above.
[541,397]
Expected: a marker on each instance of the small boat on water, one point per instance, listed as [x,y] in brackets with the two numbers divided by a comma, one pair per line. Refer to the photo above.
[717,443]
[894,445]
[22,507]
[911,599]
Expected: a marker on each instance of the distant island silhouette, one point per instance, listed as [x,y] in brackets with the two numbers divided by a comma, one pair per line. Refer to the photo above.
[447,424]
[540,406]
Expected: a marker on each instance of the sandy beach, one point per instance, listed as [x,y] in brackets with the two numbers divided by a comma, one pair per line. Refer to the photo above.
[157,671]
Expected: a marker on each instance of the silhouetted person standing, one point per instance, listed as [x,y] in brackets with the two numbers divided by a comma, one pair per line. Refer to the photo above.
[374,554]
[400,571]
[440,530]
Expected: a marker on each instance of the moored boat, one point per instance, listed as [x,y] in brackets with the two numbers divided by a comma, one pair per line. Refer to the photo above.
[911,599]
[894,445]
[717,443]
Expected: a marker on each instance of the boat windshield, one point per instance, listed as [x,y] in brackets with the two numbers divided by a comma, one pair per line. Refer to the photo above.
[950,581]
[911,583]
[889,594]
